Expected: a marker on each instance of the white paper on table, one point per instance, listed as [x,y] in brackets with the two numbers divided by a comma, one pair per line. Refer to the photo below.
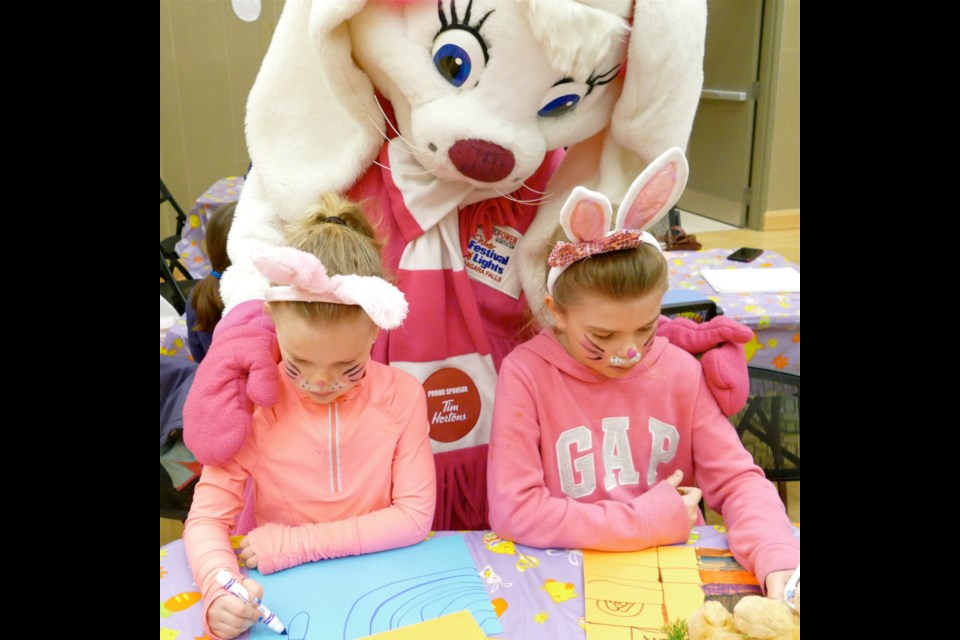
[783,280]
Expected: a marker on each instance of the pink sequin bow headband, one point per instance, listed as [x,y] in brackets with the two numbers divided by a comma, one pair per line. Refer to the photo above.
[300,276]
[565,254]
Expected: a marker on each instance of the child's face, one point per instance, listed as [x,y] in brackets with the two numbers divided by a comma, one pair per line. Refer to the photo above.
[325,359]
[609,336]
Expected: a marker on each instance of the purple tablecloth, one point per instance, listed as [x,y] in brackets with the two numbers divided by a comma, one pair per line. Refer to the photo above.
[774,317]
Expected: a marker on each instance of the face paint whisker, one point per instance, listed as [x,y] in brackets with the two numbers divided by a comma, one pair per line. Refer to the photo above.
[592,348]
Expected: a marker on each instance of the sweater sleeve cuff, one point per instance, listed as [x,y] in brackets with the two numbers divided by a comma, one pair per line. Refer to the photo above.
[668,523]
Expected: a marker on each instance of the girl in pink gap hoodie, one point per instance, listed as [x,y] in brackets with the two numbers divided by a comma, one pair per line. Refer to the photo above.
[598,421]
[341,464]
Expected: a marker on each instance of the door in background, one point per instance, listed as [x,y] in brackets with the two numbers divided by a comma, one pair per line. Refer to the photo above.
[722,141]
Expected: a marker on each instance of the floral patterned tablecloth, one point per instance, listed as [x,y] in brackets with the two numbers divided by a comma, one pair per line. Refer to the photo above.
[538,593]
[190,246]
[774,317]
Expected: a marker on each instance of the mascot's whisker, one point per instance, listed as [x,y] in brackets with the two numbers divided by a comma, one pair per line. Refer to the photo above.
[529,188]
[520,201]
[383,134]
[403,173]
[396,131]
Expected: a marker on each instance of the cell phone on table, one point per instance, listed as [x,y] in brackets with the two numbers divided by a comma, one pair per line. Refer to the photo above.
[745,254]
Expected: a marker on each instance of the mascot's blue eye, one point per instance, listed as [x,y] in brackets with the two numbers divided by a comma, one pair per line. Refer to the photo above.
[459,57]
[562,98]
[453,63]
[559,106]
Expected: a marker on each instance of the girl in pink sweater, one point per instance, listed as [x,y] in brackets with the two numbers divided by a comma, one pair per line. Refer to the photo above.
[598,421]
[341,464]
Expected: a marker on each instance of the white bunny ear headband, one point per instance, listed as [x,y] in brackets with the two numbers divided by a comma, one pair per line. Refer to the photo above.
[301,277]
[586,214]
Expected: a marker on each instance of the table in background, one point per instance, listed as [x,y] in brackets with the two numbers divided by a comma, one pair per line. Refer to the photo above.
[773,317]
[190,246]
[538,593]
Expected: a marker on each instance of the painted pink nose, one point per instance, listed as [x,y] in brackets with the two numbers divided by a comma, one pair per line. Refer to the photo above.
[631,353]
[480,160]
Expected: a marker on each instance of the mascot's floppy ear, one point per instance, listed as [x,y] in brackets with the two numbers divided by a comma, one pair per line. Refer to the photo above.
[313,125]
[655,110]
[312,118]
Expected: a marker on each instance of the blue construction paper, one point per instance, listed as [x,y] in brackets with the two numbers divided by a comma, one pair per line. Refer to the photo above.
[360,595]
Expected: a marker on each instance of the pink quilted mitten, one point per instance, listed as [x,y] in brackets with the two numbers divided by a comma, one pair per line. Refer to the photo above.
[721,342]
[239,370]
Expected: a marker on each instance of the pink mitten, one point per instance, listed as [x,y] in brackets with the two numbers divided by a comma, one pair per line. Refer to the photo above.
[240,370]
[720,341]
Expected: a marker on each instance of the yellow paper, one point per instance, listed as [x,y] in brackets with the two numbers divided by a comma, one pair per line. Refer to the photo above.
[606,632]
[645,558]
[639,591]
[681,576]
[647,592]
[677,557]
[682,600]
[456,625]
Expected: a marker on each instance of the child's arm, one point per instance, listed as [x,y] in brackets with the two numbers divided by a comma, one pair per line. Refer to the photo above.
[405,521]
[758,529]
[522,507]
[217,500]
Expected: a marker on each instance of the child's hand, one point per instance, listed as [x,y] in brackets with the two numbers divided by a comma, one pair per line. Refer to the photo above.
[229,616]
[247,554]
[776,581]
[691,497]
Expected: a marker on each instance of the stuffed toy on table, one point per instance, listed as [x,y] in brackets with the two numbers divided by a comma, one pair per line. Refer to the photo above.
[451,120]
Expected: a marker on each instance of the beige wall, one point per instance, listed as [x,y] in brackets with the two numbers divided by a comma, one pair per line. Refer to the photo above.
[208,61]
[783,192]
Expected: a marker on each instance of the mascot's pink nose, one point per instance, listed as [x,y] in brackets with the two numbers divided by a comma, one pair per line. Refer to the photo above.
[480,160]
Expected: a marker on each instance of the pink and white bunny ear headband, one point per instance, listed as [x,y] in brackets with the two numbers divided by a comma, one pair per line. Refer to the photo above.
[586,214]
[299,276]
